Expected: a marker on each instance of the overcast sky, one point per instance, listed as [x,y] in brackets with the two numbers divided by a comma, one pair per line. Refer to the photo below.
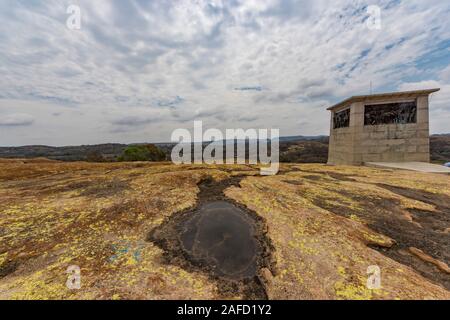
[137,70]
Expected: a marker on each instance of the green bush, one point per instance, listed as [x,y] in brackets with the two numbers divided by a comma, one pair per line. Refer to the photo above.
[148,152]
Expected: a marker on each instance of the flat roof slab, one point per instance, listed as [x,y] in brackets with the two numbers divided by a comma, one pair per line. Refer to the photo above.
[414,166]
[388,95]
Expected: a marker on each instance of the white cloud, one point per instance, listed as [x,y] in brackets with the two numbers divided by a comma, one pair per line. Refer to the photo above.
[16,119]
[445,74]
[139,69]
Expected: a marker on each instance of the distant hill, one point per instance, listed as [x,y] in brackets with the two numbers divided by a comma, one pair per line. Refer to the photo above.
[303,149]
[108,151]
[440,148]
[441,135]
[302,138]
[69,153]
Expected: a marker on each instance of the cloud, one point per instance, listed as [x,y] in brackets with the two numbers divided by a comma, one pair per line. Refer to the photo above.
[17,119]
[133,121]
[445,74]
[429,84]
[146,67]
[170,102]
[250,88]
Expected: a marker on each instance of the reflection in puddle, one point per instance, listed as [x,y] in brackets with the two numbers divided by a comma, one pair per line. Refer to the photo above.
[221,236]
[223,239]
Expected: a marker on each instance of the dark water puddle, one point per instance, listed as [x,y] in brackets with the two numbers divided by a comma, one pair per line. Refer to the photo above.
[221,238]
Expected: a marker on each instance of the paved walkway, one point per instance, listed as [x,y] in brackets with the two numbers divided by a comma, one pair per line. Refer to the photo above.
[414,166]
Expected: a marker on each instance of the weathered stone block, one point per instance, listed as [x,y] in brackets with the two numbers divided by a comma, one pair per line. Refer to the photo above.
[422,116]
[395,142]
[423,134]
[392,157]
[418,141]
[422,102]
[423,148]
[379,135]
[423,126]
[410,149]
[370,142]
[405,134]
[371,157]
[425,157]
